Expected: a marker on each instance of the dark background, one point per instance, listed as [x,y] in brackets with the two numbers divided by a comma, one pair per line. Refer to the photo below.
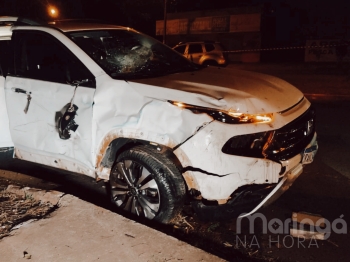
[302,17]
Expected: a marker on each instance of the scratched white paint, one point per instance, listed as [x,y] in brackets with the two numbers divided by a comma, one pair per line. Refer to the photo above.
[122,111]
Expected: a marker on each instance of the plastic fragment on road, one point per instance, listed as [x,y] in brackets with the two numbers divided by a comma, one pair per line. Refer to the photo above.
[305,225]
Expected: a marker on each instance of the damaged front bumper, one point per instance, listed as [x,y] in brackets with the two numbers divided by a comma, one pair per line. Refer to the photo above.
[250,198]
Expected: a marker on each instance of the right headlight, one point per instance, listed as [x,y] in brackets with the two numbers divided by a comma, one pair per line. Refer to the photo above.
[226,116]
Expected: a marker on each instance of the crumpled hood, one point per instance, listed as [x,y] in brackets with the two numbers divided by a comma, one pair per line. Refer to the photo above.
[223,88]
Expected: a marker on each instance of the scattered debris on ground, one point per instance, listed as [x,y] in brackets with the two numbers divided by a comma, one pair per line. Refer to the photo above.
[16,209]
[305,226]
[218,237]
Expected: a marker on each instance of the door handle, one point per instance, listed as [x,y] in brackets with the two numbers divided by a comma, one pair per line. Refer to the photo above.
[19,90]
[29,98]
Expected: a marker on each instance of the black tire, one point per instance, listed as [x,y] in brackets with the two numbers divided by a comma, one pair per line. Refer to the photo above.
[146,183]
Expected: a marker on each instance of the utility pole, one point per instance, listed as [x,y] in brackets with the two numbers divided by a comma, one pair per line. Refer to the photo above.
[164,31]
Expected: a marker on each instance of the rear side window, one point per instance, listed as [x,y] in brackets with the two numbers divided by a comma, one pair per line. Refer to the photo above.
[5,56]
[195,48]
[209,47]
[181,49]
[40,56]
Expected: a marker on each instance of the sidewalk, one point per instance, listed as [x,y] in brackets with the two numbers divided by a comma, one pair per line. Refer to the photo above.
[81,231]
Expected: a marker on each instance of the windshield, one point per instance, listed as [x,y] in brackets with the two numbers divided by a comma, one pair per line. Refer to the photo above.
[126,54]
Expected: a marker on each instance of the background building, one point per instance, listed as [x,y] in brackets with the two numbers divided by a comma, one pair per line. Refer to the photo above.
[278,27]
[235,28]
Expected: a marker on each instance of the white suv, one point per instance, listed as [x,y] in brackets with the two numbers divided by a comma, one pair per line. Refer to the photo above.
[111,103]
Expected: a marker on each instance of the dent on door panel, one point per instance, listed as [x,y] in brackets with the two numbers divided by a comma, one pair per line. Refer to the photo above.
[35,133]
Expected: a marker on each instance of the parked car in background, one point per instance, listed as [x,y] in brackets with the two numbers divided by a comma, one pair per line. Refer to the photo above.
[112,103]
[203,53]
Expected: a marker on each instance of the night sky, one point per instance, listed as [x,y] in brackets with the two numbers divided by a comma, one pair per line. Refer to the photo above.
[142,14]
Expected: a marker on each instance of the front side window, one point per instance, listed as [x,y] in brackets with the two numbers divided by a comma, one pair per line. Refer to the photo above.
[126,54]
[181,49]
[40,56]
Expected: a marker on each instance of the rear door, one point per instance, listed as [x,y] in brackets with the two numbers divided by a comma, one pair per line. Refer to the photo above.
[195,52]
[40,96]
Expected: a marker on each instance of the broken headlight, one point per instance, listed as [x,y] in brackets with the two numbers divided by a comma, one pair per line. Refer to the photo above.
[226,116]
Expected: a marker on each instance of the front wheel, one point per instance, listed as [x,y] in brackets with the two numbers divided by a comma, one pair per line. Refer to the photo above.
[146,183]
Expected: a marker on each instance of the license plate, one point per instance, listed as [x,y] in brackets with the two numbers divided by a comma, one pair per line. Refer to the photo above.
[309,154]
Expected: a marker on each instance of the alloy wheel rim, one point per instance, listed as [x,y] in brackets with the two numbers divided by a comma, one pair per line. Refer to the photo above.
[134,189]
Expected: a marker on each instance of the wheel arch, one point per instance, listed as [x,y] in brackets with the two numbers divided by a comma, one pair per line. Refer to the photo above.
[119,145]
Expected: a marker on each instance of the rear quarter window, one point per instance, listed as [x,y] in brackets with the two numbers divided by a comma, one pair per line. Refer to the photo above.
[209,47]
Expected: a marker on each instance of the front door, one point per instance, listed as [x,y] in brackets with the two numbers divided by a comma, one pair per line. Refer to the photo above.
[195,52]
[50,114]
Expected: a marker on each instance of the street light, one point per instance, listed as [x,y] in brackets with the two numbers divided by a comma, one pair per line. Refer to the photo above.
[53,12]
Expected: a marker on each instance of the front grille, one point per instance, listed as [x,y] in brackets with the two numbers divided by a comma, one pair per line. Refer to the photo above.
[281,144]
[291,139]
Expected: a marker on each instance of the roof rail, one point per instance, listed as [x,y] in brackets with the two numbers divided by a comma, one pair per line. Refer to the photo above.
[79,20]
[13,20]
[26,21]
